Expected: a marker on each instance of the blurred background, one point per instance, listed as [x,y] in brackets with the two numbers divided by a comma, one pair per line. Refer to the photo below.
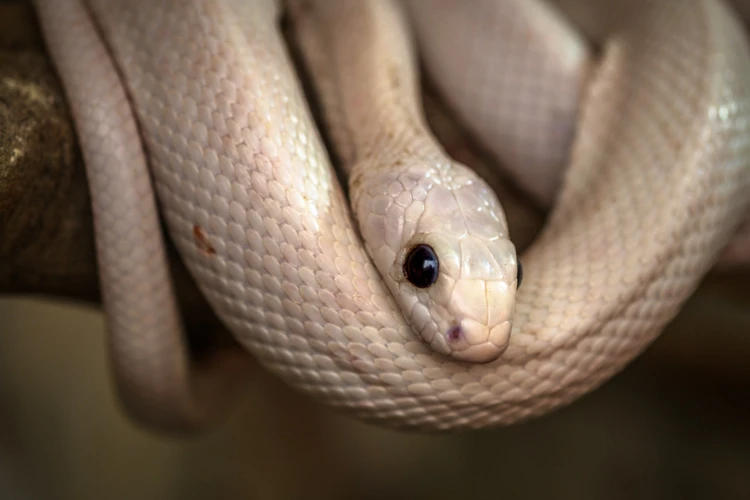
[673,424]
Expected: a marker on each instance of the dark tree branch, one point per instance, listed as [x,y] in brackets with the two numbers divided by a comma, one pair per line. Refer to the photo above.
[46,238]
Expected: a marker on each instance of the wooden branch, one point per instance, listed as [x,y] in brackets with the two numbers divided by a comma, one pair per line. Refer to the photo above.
[46,235]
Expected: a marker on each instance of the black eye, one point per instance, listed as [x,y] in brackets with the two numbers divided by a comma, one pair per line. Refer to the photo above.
[519,276]
[421,266]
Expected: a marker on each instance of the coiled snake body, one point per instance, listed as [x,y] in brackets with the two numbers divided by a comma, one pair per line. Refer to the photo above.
[201,99]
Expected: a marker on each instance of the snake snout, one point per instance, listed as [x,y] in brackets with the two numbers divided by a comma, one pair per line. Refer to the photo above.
[472,341]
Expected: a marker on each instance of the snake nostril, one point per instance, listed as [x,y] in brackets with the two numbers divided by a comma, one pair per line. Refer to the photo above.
[455,333]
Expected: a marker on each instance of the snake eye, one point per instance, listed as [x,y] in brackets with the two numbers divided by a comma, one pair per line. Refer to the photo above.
[421,266]
[519,276]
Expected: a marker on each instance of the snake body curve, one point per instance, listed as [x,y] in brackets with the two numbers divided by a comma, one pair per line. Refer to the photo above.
[655,187]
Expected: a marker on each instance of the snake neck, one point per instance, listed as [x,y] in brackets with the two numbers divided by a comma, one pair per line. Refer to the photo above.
[363,69]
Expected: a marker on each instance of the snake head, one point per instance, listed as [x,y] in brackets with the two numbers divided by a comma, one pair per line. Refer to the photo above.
[440,242]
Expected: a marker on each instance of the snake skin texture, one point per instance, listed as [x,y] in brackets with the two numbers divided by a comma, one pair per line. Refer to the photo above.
[519,99]
[154,376]
[656,185]
[522,96]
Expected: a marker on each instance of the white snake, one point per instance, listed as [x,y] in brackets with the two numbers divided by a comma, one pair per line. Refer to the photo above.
[202,94]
